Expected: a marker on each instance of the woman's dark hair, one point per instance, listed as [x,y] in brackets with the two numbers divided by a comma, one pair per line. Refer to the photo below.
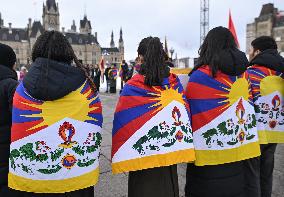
[217,41]
[263,43]
[153,68]
[54,46]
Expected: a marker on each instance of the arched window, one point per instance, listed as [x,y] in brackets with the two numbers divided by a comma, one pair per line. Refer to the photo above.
[80,41]
[70,40]
[80,53]
[4,37]
[17,51]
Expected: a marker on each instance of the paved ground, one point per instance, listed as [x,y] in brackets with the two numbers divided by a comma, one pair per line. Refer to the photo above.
[116,185]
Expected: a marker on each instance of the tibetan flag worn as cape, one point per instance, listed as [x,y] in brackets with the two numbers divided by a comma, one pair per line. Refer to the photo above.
[55,144]
[112,73]
[268,91]
[223,118]
[151,126]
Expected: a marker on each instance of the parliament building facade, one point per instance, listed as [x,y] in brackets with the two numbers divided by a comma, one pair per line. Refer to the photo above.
[84,43]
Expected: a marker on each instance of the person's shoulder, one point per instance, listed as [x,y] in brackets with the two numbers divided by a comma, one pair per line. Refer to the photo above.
[9,82]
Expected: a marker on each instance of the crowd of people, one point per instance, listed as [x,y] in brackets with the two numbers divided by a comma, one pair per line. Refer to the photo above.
[226,123]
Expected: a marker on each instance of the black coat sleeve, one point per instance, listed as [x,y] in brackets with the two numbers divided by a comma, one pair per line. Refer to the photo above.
[10,88]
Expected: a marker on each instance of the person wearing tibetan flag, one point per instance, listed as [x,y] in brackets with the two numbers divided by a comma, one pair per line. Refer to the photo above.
[267,81]
[151,127]
[223,118]
[56,125]
[112,76]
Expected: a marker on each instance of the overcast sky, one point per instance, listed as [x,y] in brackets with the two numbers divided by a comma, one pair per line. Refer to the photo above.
[176,19]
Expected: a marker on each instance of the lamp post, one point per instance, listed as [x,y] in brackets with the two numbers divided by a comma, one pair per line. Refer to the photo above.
[172,52]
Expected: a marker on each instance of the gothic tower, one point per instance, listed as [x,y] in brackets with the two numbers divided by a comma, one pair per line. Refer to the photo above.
[1,21]
[50,16]
[112,45]
[121,44]
[85,26]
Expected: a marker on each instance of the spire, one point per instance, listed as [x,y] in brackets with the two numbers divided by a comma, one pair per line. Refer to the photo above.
[51,3]
[112,45]
[1,21]
[166,47]
[121,36]
[73,27]
[85,10]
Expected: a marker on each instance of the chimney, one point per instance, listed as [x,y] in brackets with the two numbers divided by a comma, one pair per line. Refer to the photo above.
[63,29]
[10,28]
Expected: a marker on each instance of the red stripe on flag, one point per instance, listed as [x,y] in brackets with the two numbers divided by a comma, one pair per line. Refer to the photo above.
[202,119]
[20,101]
[20,130]
[126,102]
[207,92]
[121,137]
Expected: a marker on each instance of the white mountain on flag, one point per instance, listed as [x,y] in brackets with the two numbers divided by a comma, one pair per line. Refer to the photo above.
[237,127]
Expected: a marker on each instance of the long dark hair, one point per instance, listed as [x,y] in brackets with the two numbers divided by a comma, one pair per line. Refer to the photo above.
[216,42]
[153,68]
[54,46]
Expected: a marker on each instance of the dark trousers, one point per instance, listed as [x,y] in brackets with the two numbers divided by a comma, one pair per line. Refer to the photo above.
[121,84]
[259,172]
[226,180]
[156,182]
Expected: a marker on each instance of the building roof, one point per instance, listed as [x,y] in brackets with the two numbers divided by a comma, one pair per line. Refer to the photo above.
[84,22]
[267,9]
[51,3]
[36,27]
[16,35]
[81,39]
[111,50]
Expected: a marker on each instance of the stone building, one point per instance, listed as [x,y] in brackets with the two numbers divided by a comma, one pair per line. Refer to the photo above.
[270,22]
[84,43]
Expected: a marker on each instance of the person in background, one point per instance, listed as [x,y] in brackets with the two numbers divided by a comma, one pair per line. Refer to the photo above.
[222,117]
[112,76]
[56,117]
[107,77]
[91,69]
[123,73]
[137,66]
[97,76]
[23,73]
[8,84]
[266,72]
[168,60]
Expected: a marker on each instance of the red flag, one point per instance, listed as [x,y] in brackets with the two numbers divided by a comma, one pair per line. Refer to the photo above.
[232,29]
[102,64]
[102,68]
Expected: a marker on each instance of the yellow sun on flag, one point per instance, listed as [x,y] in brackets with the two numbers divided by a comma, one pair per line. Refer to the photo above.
[236,90]
[75,106]
[271,84]
[164,97]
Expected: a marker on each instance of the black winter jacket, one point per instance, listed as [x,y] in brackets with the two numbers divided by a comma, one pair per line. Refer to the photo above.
[8,84]
[270,59]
